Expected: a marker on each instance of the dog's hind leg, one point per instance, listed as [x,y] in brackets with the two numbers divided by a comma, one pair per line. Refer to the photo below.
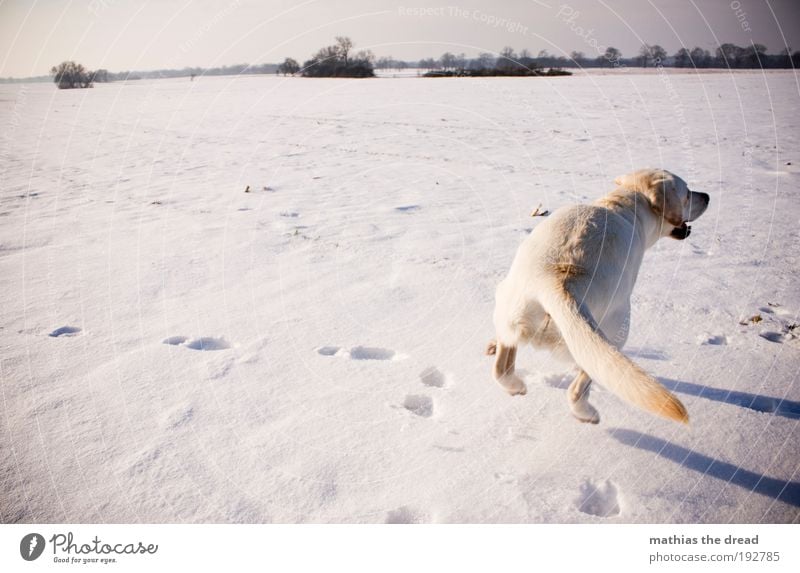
[506,357]
[578,394]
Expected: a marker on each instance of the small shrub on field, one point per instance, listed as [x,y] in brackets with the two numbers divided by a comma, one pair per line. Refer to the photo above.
[336,61]
[69,75]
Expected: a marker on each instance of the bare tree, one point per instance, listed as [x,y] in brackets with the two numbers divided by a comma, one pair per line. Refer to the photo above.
[611,55]
[700,58]
[658,54]
[682,58]
[327,54]
[428,64]
[729,55]
[786,57]
[507,59]
[753,56]
[289,66]
[100,76]
[68,75]
[644,55]
[577,57]
[485,61]
[344,45]
[364,56]
[447,60]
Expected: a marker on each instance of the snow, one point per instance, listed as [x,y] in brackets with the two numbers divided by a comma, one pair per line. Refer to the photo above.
[177,350]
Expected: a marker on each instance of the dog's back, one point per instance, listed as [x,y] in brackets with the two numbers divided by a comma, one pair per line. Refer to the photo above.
[578,249]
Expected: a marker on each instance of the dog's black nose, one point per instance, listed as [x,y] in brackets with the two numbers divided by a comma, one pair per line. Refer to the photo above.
[681,232]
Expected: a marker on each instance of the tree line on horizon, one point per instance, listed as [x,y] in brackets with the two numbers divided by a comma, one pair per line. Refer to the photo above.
[339,60]
[726,56]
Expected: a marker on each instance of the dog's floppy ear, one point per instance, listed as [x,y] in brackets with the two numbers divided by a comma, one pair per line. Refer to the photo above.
[639,180]
[627,180]
[664,198]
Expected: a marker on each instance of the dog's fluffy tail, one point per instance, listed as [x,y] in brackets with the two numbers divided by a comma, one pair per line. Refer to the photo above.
[604,363]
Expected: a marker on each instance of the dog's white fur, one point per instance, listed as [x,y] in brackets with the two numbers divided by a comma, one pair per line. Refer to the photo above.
[570,285]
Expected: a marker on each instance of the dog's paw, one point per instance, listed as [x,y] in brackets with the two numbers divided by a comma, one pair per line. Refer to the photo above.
[585,412]
[521,391]
[513,384]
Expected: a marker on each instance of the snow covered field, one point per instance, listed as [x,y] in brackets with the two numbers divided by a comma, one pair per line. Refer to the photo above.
[174,349]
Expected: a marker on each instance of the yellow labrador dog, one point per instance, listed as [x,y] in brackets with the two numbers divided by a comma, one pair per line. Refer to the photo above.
[570,285]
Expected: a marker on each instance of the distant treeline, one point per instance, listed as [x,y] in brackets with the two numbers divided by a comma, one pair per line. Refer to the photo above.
[233,70]
[103,75]
[337,61]
[727,56]
[505,71]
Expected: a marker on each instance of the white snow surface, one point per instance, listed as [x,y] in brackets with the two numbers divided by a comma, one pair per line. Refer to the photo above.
[177,350]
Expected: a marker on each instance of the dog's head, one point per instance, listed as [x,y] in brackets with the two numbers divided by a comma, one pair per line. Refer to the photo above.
[669,197]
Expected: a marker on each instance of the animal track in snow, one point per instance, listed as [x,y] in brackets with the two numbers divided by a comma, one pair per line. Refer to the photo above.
[712,339]
[201,343]
[772,336]
[405,515]
[419,404]
[145,461]
[360,353]
[328,350]
[701,251]
[208,343]
[408,208]
[371,353]
[434,377]
[599,499]
[647,353]
[65,331]
[778,325]
[179,417]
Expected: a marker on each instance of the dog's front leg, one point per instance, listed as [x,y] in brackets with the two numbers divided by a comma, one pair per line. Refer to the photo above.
[578,394]
[506,357]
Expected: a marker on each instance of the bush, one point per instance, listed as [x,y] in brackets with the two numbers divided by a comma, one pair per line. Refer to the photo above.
[492,72]
[69,75]
[336,62]
[289,66]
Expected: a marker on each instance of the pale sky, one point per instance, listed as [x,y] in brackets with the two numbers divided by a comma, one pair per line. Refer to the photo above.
[142,35]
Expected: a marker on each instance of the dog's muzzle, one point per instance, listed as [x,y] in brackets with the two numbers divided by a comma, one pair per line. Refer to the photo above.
[681,232]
